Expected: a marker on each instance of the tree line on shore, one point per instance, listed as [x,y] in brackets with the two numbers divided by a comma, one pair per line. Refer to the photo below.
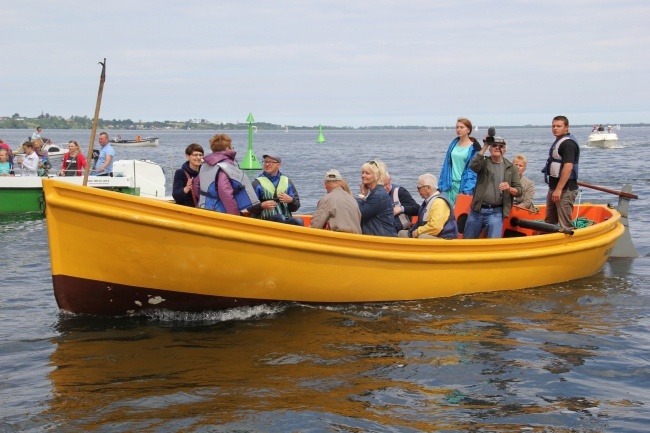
[46,121]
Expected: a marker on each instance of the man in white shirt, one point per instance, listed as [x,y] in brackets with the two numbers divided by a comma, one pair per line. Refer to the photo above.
[37,133]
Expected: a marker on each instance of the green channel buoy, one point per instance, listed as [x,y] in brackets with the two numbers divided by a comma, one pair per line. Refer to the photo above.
[321,137]
[250,161]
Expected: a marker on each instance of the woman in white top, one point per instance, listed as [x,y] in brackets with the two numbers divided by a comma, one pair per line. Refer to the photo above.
[30,160]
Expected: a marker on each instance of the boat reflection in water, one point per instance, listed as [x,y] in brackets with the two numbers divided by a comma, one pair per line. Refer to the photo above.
[502,360]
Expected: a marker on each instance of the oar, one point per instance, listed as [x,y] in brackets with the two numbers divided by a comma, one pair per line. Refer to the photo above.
[610,191]
[95,119]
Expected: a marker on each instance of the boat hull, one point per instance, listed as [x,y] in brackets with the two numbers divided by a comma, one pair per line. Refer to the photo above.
[164,256]
[603,140]
[24,194]
[145,142]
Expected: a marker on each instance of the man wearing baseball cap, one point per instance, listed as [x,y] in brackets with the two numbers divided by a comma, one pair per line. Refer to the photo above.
[277,193]
[337,210]
[492,201]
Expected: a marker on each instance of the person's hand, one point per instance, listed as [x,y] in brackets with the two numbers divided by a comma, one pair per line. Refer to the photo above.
[397,210]
[363,189]
[285,198]
[557,194]
[414,233]
[267,205]
[503,186]
[188,186]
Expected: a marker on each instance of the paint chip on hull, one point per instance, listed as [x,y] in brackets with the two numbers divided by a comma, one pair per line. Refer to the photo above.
[156,300]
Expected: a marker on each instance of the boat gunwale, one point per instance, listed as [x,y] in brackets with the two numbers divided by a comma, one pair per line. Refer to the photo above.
[170,216]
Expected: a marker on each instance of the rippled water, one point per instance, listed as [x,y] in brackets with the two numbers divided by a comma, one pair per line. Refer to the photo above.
[571,357]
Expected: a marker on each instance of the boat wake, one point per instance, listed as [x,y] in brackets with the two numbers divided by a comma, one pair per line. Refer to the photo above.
[241,313]
[617,146]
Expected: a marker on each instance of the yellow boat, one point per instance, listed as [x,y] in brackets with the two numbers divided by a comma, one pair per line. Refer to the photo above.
[148,254]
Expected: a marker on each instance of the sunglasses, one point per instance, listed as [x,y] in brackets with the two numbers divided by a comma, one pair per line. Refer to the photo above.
[423,186]
[500,146]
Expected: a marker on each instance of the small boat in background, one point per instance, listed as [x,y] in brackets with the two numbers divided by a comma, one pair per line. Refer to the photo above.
[603,140]
[24,194]
[137,142]
[55,152]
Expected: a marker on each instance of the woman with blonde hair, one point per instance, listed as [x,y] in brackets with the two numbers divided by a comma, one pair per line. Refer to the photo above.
[374,203]
[456,177]
[73,161]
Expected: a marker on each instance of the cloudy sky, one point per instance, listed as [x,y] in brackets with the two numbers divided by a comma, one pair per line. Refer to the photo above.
[339,63]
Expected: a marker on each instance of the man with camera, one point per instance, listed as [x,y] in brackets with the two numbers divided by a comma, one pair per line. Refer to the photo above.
[497,179]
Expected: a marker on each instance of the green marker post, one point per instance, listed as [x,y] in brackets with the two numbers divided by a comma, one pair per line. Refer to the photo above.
[321,137]
[250,162]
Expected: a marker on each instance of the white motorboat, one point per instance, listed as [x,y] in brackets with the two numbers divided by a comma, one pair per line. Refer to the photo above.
[55,153]
[137,142]
[603,139]
[22,194]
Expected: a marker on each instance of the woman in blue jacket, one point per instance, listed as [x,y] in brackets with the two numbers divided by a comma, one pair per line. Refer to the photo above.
[456,177]
[374,202]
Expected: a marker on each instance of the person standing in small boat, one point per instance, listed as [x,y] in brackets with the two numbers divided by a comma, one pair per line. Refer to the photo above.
[492,200]
[30,160]
[374,203]
[525,200]
[104,163]
[73,161]
[182,189]
[36,134]
[277,194]
[456,177]
[337,209]
[561,175]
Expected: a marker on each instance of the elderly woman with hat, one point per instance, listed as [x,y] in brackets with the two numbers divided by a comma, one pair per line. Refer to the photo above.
[337,210]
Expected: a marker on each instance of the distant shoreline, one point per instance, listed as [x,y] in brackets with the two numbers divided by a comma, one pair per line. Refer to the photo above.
[77,122]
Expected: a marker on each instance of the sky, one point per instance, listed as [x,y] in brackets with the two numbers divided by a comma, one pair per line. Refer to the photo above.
[338,63]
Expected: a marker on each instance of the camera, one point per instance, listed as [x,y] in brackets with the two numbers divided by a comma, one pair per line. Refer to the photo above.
[491,134]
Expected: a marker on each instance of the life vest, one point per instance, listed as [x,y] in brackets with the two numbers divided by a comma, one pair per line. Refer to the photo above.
[402,218]
[243,191]
[553,166]
[71,165]
[271,192]
[449,229]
